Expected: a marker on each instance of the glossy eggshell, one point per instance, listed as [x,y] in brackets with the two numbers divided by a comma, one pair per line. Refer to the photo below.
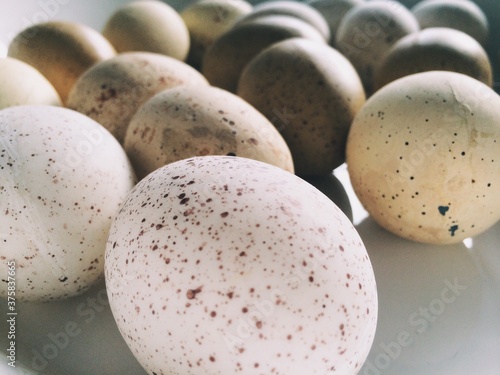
[220,265]
[63,178]
[424,157]
[112,91]
[311,93]
[61,51]
[191,121]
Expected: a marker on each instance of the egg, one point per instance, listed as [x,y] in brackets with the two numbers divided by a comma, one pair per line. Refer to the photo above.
[150,26]
[368,31]
[436,48]
[424,158]
[63,178]
[61,51]
[20,83]
[463,15]
[207,20]
[191,121]
[224,62]
[311,93]
[226,265]
[111,91]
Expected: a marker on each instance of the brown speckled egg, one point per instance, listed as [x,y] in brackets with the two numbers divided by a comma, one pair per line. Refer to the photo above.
[111,92]
[63,178]
[191,121]
[424,157]
[227,265]
[311,93]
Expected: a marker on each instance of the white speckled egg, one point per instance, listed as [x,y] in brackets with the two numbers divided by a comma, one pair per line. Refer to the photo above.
[62,180]
[227,265]
[424,157]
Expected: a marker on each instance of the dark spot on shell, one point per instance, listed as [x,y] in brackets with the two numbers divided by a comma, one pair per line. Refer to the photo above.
[191,293]
[224,214]
[453,229]
[443,209]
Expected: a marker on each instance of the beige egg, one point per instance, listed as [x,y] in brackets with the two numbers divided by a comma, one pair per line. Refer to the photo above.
[423,156]
[437,48]
[61,51]
[368,31]
[311,93]
[463,15]
[189,121]
[149,26]
[20,84]
[226,59]
[207,20]
[111,92]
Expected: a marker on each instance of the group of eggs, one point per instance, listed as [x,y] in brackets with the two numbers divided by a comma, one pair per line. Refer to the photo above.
[177,168]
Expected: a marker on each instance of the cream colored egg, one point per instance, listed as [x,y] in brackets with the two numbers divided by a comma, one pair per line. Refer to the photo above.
[424,157]
[149,26]
[61,51]
[311,93]
[112,91]
[368,31]
[224,62]
[227,265]
[63,178]
[191,121]
[20,84]
[207,20]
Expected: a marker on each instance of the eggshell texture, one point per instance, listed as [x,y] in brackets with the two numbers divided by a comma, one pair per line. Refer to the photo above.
[207,20]
[424,158]
[437,48]
[311,93]
[367,32]
[111,92]
[62,180]
[151,26]
[226,265]
[61,51]
[226,59]
[191,121]
[463,15]
[20,83]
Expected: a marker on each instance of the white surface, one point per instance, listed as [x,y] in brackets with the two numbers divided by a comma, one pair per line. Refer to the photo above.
[439,306]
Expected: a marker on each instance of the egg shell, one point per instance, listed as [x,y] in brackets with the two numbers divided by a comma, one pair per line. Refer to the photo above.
[463,15]
[207,20]
[191,121]
[149,26]
[224,62]
[63,178]
[368,31]
[20,83]
[61,51]
[112,91]
[222,265]
[311,93]
[437,48]
[424,158]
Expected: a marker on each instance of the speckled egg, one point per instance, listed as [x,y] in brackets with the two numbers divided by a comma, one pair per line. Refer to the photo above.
[191,121]
[424,157]
[227,265]
[111,91]
[63,178]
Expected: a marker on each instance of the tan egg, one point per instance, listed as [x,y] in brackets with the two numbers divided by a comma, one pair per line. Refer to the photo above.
[191,121]
[61,51]
[208,20]
[111,92]
[150,26]
[463,15]
[311,93]
[226,59]
[368,31]
[20,84]
[436,48]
